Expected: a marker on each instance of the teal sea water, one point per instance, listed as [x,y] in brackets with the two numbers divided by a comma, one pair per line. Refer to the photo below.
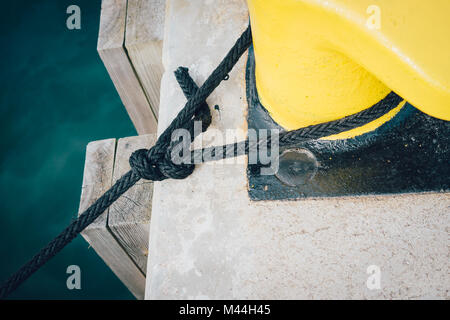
[55,97]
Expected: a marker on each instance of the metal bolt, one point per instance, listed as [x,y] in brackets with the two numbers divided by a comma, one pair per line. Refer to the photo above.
[297,167]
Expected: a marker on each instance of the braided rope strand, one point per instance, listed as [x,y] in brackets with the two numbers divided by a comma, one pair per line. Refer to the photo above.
[196,100]
[312,132]
[69,233]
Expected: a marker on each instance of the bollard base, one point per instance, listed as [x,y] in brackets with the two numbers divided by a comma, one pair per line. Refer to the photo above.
[409,153]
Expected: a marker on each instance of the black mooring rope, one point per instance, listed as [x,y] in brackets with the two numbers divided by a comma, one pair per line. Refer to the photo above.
[155,164]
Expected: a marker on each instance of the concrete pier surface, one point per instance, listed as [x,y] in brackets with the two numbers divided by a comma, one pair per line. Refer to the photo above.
[208,240]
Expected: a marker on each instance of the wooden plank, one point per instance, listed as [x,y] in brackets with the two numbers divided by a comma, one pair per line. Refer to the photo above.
[143,41]
[129,216]
[98,173]
[114,56]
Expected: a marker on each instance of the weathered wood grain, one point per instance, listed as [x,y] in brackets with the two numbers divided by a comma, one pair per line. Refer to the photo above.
[143,41]
[111,49]
[129,216]
[98,175]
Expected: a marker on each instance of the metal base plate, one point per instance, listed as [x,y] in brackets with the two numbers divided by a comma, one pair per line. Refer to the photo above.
[410,153]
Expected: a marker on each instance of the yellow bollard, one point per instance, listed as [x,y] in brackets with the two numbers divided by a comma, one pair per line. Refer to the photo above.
[318,60]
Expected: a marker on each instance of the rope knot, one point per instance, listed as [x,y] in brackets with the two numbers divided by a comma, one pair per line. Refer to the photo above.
[144,167]
[155,169]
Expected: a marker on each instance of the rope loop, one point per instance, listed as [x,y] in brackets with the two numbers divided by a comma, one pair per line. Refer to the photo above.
[156,164]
